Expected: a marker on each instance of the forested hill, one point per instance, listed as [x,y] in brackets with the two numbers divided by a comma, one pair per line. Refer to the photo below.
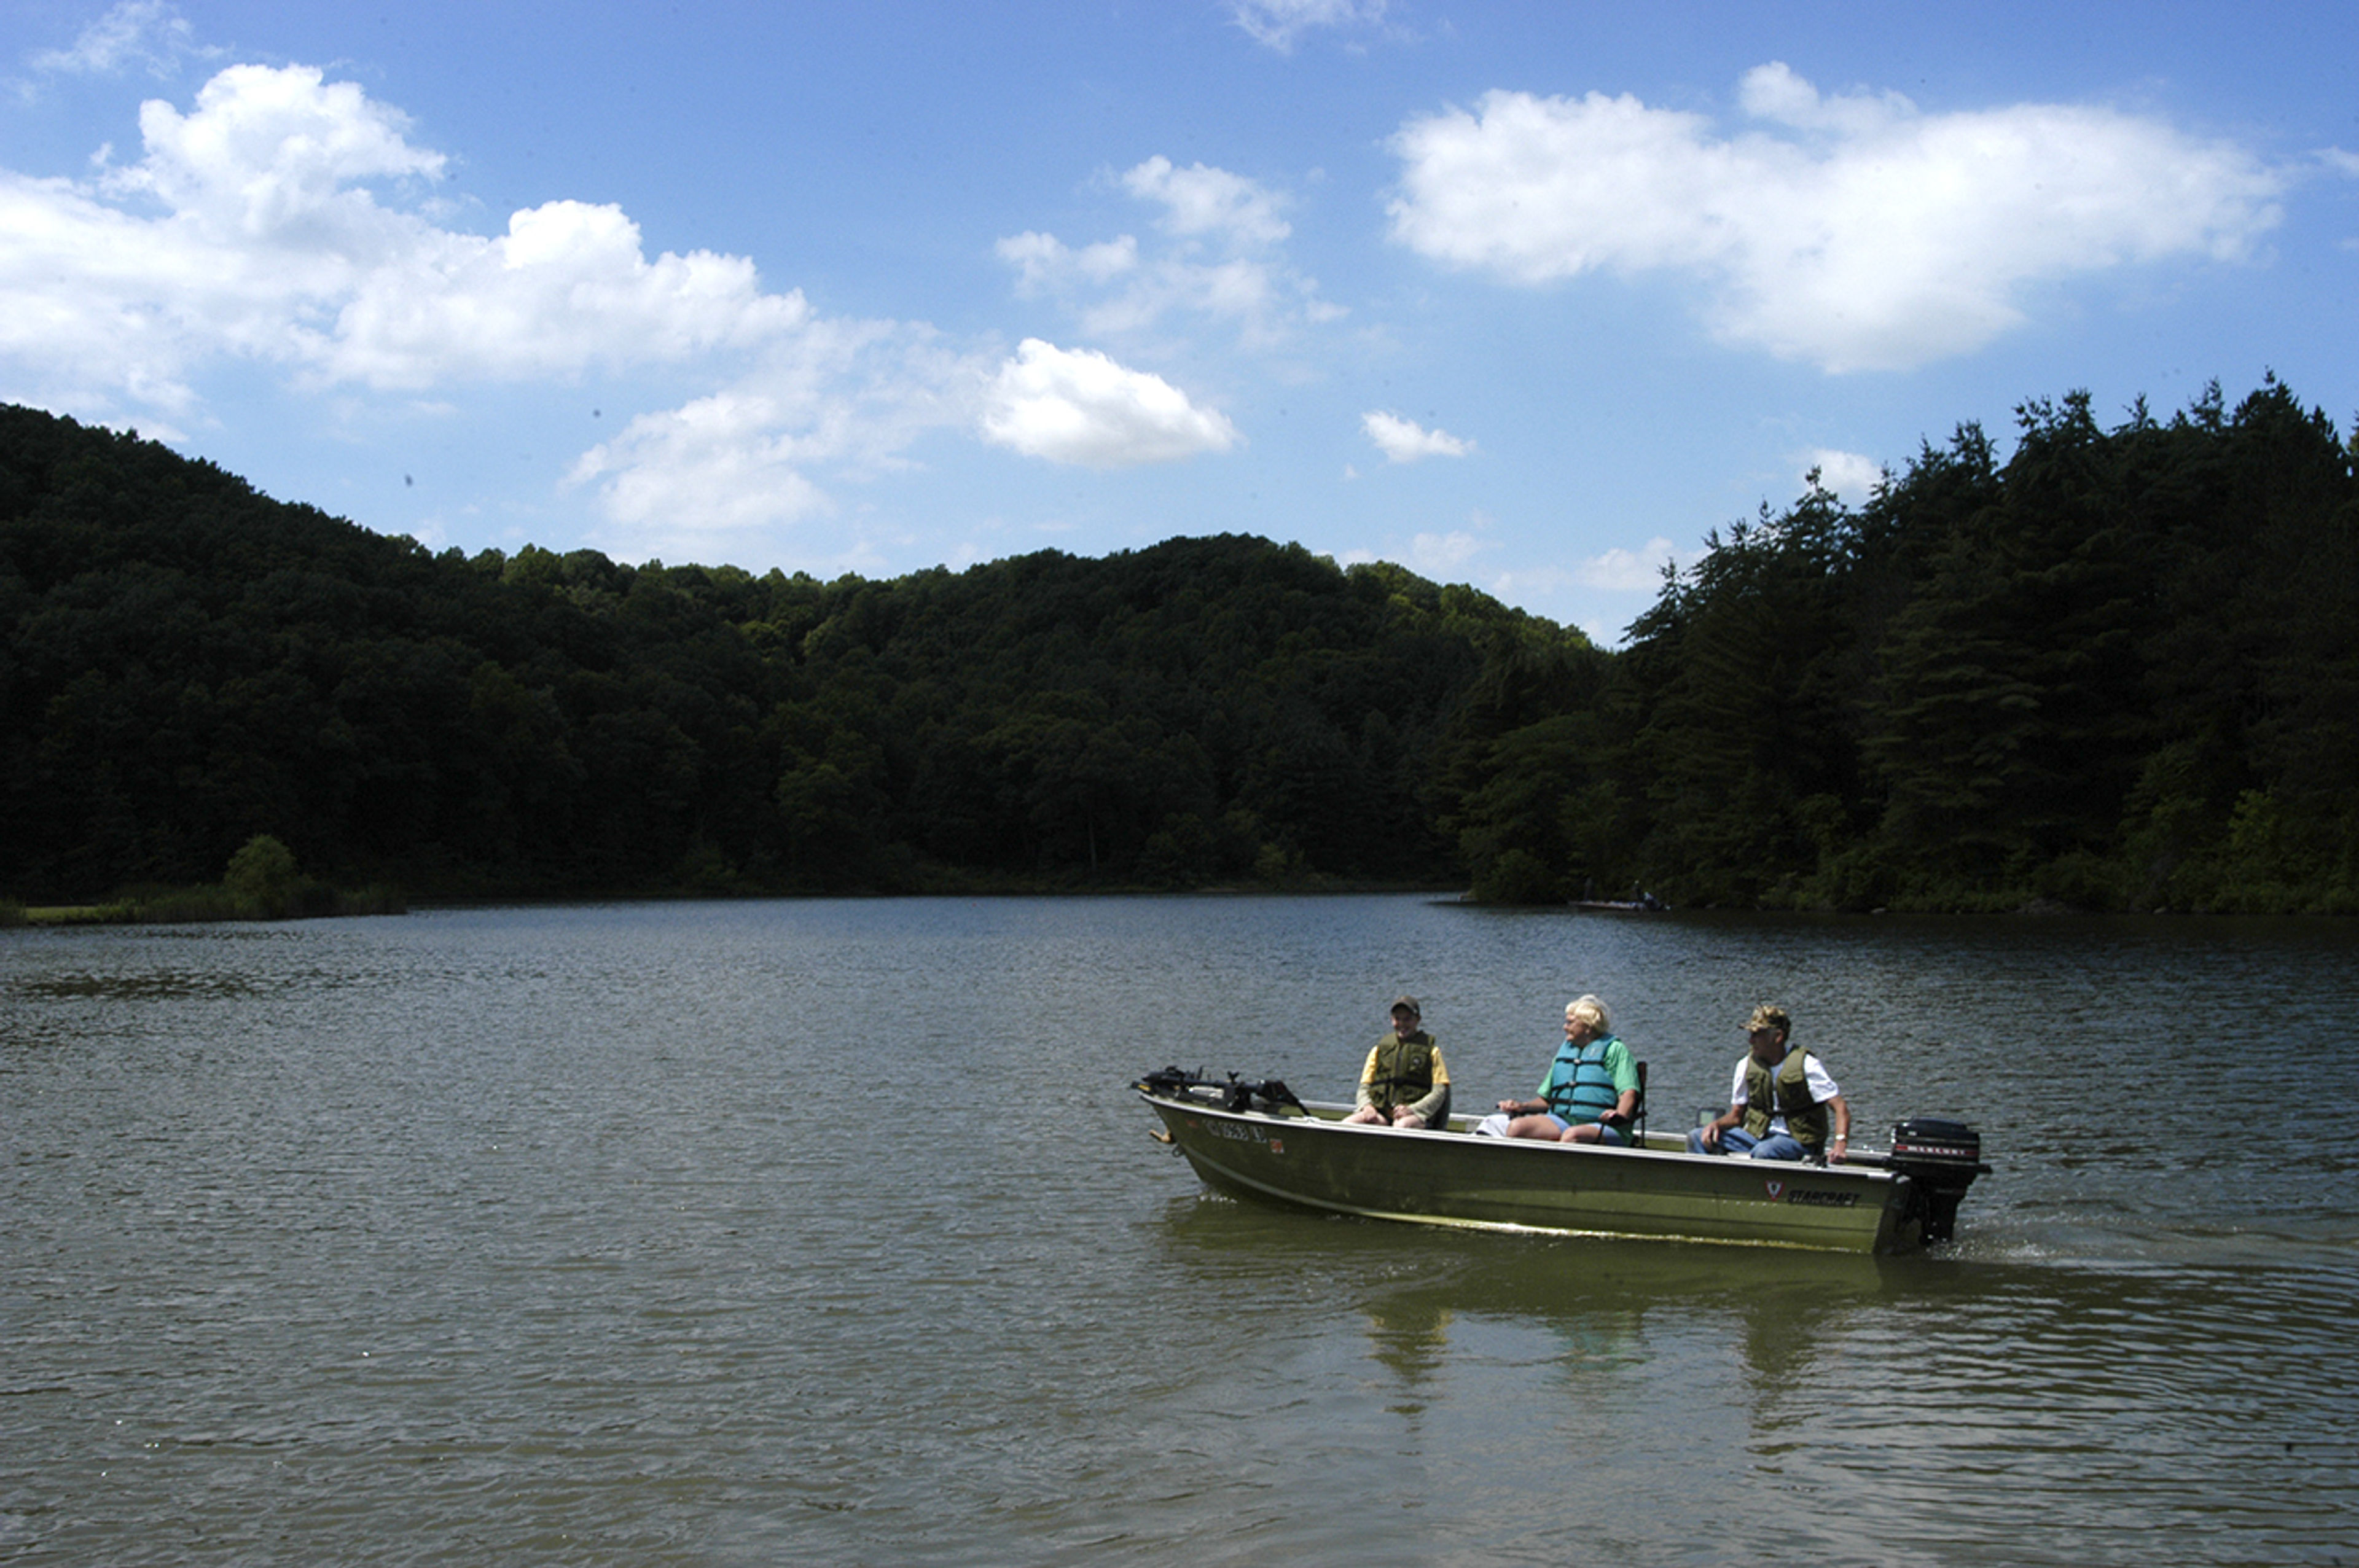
[2118,669]
[189,663]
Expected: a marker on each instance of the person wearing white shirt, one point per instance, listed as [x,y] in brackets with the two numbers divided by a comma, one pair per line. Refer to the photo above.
[1783,1104]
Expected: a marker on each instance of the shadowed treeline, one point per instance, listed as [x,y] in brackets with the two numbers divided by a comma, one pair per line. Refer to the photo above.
[2117,670]
[189,663]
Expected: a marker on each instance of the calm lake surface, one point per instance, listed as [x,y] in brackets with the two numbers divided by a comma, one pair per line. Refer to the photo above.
[828,1232]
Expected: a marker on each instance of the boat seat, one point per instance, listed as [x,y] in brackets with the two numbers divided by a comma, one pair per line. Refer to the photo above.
[1635,1130]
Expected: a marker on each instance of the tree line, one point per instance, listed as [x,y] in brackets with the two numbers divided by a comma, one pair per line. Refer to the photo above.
[189,663]
[2115,670]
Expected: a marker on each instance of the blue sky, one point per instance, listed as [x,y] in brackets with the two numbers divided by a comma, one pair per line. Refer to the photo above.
[1530,297]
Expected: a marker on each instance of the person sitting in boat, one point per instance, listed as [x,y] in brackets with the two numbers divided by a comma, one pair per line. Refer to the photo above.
[1781,1102]
[1405,1083]
[1590,1091]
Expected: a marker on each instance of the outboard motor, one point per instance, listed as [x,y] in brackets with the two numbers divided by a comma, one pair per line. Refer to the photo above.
[1942,1159]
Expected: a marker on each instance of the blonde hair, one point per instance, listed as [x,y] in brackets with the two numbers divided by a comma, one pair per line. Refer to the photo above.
[1592,1011]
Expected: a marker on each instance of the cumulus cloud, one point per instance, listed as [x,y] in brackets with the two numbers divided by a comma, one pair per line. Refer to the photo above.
[725,460]
[277,155]
[1853,231]
[567,288]
[267,225]
[1405,441]
[1204,200]
[253,228]
[841,396]
[1279,23]
[1076,405]
[1220,260]
[1848,476]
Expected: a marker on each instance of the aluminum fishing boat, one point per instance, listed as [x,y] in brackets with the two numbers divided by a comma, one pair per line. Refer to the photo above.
[1257,1140]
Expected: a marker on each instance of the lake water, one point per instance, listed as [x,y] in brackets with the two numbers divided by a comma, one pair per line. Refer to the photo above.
[827,1232]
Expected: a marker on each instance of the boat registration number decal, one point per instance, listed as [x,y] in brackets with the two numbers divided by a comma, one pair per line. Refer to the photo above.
[1824,1200]
[1237,1134]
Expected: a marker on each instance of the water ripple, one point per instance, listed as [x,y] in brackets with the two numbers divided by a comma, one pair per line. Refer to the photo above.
[825,1233]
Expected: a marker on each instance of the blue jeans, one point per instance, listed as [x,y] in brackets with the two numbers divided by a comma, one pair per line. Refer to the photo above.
[1737,1140]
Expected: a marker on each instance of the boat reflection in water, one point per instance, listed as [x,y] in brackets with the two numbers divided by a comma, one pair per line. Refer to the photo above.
[1257,1140]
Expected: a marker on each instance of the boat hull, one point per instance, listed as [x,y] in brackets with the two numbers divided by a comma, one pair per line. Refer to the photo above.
[1451,1178]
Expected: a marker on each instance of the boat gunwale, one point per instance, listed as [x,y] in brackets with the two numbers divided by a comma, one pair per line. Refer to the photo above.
[1865,1164]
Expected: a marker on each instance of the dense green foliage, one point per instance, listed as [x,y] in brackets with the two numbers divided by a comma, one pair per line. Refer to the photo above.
[2119,670]
[189,663]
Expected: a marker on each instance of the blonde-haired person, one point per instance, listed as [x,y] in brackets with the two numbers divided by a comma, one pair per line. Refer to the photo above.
[1591,1090]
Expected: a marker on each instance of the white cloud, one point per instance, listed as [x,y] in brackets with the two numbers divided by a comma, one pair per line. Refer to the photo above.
[236,236]
[1405,441]
[1601,593]
[840,396]
[1845,475]
[270,245]
[278,154]
[1076,405]
[566,288]
[1046,263]
[1199,200]
[1774,92]
[1620,570]
[263,226]
[1439,556]
[1279,23]
[1238,290]
[143,33]
[1853,231]
[1220,262]
[1443,557]
[724,460]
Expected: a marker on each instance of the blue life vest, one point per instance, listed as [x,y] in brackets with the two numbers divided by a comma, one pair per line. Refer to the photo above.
[1580,1088]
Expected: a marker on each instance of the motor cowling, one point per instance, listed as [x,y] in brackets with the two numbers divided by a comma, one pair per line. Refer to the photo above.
[1941,1159]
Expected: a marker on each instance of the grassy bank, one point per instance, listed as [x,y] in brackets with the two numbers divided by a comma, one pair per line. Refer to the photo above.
[183,906]
[263,883]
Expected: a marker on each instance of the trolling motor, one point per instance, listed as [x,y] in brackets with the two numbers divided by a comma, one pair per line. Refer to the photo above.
[1234,1093]
[1941,1159]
